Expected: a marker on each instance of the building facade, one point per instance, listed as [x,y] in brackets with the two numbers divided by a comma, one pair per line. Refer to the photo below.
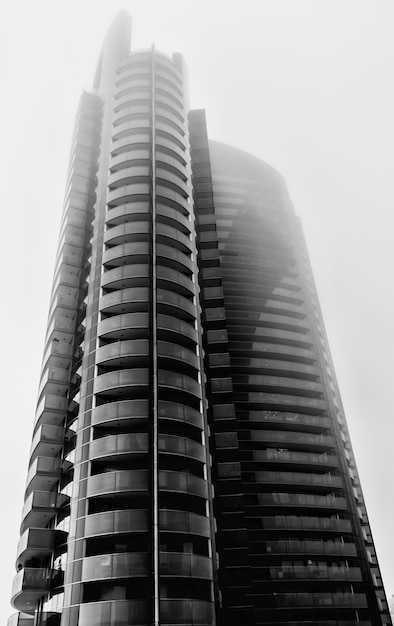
[190,461]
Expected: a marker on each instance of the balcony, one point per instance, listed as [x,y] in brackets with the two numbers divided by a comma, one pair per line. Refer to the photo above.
[131,300]
[319,524]
[31,584]
[326,548]
[47,441]
[185,565]
[126,253]
[117,522]
[179,482]
[174,444]
[124,413]
[51,410]
[39,508]
[119,446]
[127,276]
[36,543]
[175,281]
[184,611]
[123,353]
[124,382]
[171,257]
[126,326]
[177,382]
[128,232]
[20,619]
[122,482]
[43,474]
[184,522]
[113,613]
[172,236]
[348,574]
[180,413]
[110,566]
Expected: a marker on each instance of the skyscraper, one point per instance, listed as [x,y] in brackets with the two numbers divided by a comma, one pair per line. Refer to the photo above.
[190,461]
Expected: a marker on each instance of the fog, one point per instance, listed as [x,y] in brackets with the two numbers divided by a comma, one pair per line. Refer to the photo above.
[306,86]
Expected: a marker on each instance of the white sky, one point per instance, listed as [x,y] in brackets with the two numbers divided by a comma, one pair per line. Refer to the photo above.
[306,85]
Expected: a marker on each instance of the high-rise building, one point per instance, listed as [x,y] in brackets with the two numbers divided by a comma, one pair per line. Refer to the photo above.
[190,461]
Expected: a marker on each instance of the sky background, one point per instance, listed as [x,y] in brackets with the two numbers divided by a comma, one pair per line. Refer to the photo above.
[306,85]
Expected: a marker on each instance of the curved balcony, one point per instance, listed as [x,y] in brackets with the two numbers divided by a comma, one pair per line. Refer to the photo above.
[54,381]
[172,237]
[172,280]
[131,93]
[171,148]
[278,401]
[119,482]
[350,574]
[172,329]
[31,584]
[175,305]
[185,565]
[58,355]
[173,217]
[117,522]
[303,441]
[109,566]
[119,446]
[135,252]
[273,366]
[180,413]
[297,421]
[167,80]
[315,600]
[126,277]
[173,258]
[166,161]
[179,382]
[121,383]
[306,460]
[47,441]
[299,522]
[131,300]
[166,90]
[170,197]
[174,444]
[114,612]
[122,353]
[136,111]
[180,482]
[138,142]
[128,232]
[169,128]
[128,128]
[178,353]
[36,543]
[39,508]
[172,120]
[21,619]
[277,384]
[129,212]
[324,482]
[43,474]
[122,414]
[184,522]
[132,79]
[183,611]
[136,154]
[328,503]
[327,548]
[126,176]
[126,326]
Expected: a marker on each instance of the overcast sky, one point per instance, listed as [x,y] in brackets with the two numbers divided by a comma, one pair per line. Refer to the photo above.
[306,85]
